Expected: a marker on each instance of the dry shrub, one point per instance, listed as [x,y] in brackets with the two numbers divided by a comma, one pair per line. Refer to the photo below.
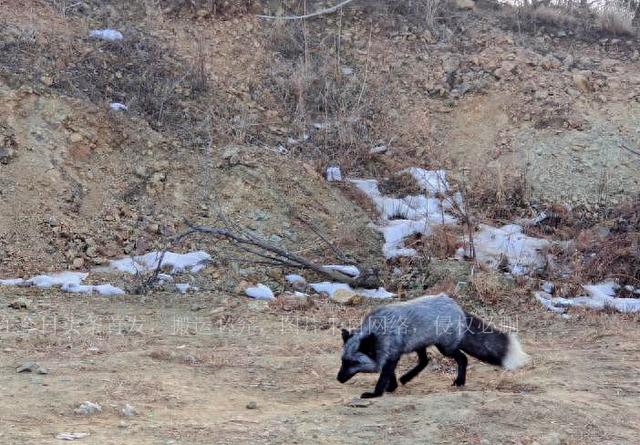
[554,15]
[209,8]
[616,256]
[498,195]
[400,185]
[444,241]
[615,19]
[490,287]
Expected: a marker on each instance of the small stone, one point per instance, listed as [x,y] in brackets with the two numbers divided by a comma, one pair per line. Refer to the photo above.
[71,436]
[77,263]
[334,174]
[359,403]
[252,405]
[378,150]
[141,171]
[550,62]
[88,408]
[548,287]
[292,301]
[582,82]
[346,297]
[6,154]
[28,367]
[92,251]
[128,411]
[465,5]
[19,304]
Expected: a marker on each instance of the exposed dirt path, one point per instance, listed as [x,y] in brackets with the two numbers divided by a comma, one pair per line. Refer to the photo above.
[190,375]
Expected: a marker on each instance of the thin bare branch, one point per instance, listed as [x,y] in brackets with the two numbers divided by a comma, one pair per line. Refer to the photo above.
[307,16]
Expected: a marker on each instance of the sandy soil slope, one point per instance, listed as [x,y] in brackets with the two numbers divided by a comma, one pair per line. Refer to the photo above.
[190,375]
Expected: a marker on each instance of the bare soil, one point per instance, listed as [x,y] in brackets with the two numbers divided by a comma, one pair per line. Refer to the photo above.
[191,375]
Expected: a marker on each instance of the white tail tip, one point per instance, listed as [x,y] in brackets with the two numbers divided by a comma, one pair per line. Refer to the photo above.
[515,357]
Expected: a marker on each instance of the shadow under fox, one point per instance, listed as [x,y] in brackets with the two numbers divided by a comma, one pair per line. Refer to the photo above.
[392,330]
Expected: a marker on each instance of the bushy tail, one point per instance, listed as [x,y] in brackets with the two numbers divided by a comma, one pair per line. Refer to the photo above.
[486,343]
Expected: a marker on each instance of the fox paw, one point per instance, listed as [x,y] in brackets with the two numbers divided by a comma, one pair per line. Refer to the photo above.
[458,382]
[369,395]
[392,387]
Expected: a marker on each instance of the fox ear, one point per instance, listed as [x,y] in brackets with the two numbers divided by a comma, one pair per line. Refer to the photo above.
[346,335]
[368,346]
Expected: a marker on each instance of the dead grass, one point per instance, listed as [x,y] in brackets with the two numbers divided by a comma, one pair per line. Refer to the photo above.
[615,19]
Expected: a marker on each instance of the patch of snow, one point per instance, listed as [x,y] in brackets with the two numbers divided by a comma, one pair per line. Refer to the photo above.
[431,181]
[57,279]
[600,296]
[106,34]
[411,215]
[117,106]
[380,292]
[334,174]
[330,288]
[184,287]
[260,292]
[67,282]
[294,278]
[12,282]
[523,253]
[194,261]
[351,271]
[101,289]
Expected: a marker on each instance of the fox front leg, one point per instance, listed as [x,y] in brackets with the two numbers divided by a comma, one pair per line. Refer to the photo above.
[385,381]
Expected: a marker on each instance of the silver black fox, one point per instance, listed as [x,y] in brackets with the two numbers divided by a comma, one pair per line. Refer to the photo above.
[392,330]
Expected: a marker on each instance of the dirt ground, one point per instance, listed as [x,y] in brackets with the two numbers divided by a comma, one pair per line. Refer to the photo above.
[191,365]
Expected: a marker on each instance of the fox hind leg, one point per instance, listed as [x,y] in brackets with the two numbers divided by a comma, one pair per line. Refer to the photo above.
[423,361]
[461,361]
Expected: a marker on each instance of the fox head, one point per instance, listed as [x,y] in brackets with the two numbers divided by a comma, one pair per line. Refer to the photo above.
[358,355]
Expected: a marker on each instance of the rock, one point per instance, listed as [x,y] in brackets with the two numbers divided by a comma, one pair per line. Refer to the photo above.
[46,80]
[548,287]
[128,411]
[550,62]
[450,63]
[292,301]
[77,263]
[259,292]
[252,405]
[28,367]
[506,68]
[378,150]
[334,174]
[6,154]
[346,297]
[71,436]
[465,5]
[582,82]
[92,251]
[359,403]
[19,304]
[88,409]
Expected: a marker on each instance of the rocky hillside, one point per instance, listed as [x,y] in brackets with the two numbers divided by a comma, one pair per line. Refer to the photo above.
[228,111]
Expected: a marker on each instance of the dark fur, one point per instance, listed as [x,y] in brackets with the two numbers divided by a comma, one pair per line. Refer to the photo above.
[372,348]
[484,342]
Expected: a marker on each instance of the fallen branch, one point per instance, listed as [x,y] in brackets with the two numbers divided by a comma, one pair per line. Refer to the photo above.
[277,255]
[307,16]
